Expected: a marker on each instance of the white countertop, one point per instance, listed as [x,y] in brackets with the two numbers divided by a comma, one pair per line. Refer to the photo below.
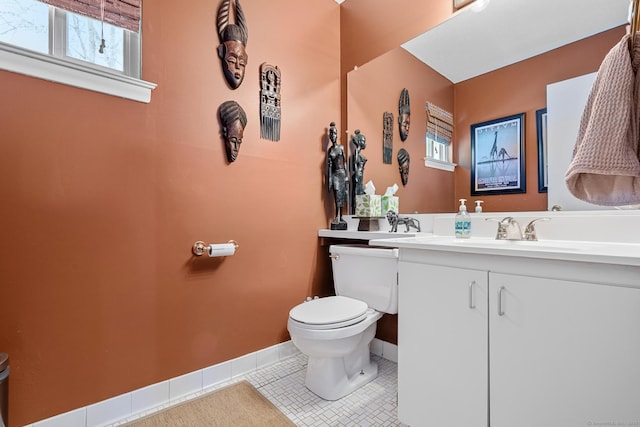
[564,250]
[362,235]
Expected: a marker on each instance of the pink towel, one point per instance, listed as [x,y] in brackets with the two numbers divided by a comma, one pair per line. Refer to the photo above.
[605,169]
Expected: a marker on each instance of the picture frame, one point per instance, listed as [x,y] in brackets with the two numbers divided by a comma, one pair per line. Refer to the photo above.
[498,156]
[543,164]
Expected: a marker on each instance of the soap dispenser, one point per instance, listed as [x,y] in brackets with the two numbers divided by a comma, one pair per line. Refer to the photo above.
[463,221]
[479,206]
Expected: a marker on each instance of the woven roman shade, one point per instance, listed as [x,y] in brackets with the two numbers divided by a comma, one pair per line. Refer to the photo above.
[121,13]
[439,124]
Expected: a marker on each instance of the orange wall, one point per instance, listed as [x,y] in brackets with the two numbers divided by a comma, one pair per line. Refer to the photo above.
[519,88]
[370,28]
[375,88]
[103,198]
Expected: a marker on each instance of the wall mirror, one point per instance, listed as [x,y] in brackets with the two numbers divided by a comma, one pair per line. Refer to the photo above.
[471,43]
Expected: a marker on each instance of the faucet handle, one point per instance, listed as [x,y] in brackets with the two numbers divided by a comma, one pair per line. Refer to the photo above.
[508,229]
[501,234]
[530,230]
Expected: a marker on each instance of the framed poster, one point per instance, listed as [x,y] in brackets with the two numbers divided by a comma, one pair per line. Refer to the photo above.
[543,165]
[497,156]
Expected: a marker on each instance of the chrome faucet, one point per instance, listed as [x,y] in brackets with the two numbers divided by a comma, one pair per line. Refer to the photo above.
[530,230]
[509,229]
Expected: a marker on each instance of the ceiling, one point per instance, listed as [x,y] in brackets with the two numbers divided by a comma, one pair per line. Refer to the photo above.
[507,31]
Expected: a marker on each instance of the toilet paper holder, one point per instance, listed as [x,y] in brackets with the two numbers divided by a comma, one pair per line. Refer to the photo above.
[200,248]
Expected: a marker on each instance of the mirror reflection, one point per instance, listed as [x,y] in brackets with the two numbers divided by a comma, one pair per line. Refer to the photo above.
[480,66]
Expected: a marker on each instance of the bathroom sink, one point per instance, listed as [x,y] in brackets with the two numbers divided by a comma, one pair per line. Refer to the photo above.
[569,250]
[535,245]
[491,245]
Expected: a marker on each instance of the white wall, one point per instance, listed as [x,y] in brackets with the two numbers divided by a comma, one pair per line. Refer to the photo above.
[565,103]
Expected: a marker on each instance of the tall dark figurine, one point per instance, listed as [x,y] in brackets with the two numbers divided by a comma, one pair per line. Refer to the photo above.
[233,120]
[403,165]
[358,161]
[337,180]
[404,114]
[360,142]
[233,43]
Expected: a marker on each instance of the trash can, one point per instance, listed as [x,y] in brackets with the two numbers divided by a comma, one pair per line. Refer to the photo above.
[4,390]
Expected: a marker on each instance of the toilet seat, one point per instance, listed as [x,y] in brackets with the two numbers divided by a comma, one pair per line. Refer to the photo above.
[329,312]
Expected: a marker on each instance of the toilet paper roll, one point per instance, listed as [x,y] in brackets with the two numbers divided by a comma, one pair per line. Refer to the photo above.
[221,249]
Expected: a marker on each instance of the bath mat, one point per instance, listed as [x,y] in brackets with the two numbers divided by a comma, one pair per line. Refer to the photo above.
[239,404]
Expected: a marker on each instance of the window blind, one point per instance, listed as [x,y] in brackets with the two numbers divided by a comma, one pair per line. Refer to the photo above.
[439,124]
[121,13]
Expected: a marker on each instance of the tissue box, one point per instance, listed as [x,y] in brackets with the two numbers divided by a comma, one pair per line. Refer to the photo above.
[390,203]
[368,205]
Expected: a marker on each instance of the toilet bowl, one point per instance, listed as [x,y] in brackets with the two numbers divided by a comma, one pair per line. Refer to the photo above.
[335,332]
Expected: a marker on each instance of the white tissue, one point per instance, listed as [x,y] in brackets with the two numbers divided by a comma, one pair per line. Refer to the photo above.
[391,190]
[369,188]
[221,249]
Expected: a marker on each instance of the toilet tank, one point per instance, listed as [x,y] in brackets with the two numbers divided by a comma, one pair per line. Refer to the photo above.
[368,274]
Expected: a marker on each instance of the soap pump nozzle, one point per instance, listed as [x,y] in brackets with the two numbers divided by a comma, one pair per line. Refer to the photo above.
[479,206]
[463,207]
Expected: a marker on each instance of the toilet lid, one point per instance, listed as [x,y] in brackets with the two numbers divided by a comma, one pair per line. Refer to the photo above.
[333,312]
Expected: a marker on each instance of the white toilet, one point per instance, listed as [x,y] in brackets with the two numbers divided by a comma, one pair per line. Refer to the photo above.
[335,332]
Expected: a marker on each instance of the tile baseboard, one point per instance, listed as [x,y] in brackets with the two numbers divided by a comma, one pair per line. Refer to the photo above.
[155,397]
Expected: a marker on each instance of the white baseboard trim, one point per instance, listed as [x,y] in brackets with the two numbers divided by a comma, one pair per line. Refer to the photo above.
[384,349]
[156,397]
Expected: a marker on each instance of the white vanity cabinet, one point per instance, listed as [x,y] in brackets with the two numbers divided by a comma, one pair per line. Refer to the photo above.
[442,346]
[478,347]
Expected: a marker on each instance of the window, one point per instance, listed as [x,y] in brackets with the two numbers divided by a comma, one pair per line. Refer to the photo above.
[437,149]
[438,138]
[84,42]
[25,24]
[70,46]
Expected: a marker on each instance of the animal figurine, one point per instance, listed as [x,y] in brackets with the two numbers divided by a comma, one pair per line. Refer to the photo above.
[395,220]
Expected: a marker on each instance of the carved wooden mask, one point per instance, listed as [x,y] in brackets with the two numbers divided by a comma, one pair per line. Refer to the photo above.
[269,102]
[233,120]
[233,43]
[404,114]
[387,138]
[403,165]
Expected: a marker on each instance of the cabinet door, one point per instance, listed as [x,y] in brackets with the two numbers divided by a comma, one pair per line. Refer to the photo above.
[563,353]
[442,346]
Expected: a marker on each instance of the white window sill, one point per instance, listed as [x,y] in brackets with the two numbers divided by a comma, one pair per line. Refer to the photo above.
[437,164]
[46,67]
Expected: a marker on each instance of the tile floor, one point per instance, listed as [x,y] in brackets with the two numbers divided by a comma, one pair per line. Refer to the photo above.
[374,404]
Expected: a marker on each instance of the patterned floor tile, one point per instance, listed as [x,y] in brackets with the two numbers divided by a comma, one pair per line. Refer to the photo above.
[374,404]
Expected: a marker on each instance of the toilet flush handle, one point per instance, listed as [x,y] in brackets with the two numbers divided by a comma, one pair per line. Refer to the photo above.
[336,257]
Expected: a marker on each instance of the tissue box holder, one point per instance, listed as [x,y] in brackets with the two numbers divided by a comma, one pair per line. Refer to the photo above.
[368,205]
[390,203]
